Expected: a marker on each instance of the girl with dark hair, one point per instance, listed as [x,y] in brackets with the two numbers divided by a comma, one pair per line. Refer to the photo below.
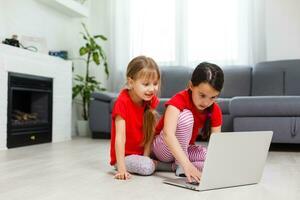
[187,112]
[134,120]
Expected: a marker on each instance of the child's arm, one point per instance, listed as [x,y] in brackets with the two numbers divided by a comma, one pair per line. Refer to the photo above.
[120,148]
[216,129]
[171,116]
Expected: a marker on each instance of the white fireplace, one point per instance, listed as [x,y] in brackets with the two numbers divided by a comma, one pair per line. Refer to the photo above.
[18,60]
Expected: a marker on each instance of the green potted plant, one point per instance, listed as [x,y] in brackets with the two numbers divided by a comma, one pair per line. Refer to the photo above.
[85,85]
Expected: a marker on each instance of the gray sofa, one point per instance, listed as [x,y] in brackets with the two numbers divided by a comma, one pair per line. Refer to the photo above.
[263,97]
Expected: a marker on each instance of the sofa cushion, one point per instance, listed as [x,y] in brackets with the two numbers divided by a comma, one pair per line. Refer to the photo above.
[267,83]
[237,81]
[265,106]
[282,127]
[297,129]
[276,78]
[292,82]
[227,124]
[174,79]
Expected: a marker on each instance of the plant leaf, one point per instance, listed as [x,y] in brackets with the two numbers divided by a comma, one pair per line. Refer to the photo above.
[101,52]
[96,58]
[85,85]
[76,90]
[83,50]
[85,29]
[106,69]
[93,44]
[83,36]
[88,47]
[100,36]
[79,78]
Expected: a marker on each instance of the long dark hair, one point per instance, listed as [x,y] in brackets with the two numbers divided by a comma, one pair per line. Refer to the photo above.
[213,75]
[145,67]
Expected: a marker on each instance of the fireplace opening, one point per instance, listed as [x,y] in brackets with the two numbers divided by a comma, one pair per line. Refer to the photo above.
[29,108]
[29,113]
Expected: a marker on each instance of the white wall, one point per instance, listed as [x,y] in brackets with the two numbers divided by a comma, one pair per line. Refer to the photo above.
[282,29]
[31,18]
[61,32]
[99,24]
[2,22]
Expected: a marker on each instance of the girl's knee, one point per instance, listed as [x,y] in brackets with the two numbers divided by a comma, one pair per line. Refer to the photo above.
[186,117]
[148,167]
[141,165]
[184,127]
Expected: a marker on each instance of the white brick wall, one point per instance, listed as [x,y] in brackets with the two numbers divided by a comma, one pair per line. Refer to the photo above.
[14,59]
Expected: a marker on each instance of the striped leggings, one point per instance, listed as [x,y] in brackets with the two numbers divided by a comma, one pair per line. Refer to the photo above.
[195,153]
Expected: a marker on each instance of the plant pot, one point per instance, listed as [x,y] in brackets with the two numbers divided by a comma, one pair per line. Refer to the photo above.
[83,128]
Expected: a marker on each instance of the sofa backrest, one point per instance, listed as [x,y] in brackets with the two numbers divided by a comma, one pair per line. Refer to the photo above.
[237,81]
[174,79]
[273,78]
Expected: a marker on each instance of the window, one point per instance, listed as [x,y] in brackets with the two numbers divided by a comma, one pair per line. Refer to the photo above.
[186,32]
[212,28]
[152,29]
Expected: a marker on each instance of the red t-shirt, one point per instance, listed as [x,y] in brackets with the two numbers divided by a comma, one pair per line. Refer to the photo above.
[182,100]
[133,115]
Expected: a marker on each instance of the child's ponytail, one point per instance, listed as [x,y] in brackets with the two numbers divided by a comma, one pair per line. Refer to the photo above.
[149,122]
[206,130]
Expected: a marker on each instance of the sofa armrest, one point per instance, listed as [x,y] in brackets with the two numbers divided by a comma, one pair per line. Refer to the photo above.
[104,96]
[99,112]
[224,104]
[281,106]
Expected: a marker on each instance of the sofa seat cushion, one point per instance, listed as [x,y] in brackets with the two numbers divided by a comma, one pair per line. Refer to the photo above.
[284,128]
[280,106]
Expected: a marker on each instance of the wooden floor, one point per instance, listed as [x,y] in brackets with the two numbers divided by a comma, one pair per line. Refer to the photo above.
[79,169]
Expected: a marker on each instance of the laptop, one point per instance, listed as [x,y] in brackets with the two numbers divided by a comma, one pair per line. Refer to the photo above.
[232,159]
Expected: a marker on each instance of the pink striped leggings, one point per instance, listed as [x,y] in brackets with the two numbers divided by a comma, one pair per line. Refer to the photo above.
[195,153]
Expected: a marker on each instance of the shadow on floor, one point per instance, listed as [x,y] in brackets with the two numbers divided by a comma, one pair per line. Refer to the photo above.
[285,147]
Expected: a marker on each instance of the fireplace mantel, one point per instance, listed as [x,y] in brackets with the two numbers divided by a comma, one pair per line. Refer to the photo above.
[18,60]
